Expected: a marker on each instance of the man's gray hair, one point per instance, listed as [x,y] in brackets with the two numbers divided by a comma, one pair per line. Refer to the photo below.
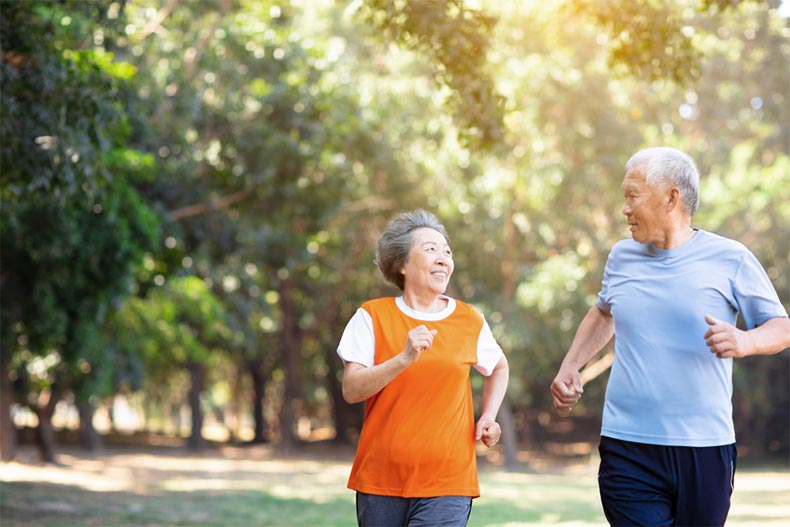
[396,240]
[663,165]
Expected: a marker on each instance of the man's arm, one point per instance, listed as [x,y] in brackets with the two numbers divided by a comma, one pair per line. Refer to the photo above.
[726,341]
[595,331]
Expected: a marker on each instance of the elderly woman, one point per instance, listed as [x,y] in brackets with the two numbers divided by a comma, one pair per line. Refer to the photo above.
[409,359]
[671,296]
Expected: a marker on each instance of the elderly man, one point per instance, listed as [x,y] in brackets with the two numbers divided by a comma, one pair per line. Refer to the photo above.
[671,296]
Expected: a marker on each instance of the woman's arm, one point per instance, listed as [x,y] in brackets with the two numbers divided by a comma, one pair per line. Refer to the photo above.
[361,382]
[494,389]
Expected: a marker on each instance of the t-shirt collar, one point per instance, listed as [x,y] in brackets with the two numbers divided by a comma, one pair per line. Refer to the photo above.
[419,315]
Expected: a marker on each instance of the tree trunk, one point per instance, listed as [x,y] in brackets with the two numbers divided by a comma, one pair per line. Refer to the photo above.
[8,437]
[236,405]
[348,417]
[197,373]
[88,434]
[509,437]
[45,433]
[174,407]
[111,415]
[255,368]
[291,341]
[508,274]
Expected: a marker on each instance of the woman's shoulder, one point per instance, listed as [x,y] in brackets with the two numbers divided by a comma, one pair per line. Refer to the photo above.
[463,308]
[378,302]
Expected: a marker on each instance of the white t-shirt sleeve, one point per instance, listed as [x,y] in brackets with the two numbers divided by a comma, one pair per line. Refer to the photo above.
[358,344]
[488,351]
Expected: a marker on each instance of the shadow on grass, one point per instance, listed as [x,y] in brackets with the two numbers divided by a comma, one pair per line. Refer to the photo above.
[25,504]
[541,513]
[515,499]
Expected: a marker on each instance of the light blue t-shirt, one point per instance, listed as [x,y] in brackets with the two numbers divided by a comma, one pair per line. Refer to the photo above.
[666,387]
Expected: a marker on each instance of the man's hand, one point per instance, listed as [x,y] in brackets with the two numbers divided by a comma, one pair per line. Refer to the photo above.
[566,390]
[727,341]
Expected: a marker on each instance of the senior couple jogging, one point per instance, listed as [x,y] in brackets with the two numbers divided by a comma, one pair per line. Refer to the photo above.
[669,297]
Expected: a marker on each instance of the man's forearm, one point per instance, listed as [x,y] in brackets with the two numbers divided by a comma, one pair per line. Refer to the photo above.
[595,331]
[771,337]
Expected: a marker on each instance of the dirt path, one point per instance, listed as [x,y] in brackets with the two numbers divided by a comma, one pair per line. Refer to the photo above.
[234,486]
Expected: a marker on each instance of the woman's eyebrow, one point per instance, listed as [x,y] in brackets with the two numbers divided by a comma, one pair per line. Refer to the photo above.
[435,244]
[432,243]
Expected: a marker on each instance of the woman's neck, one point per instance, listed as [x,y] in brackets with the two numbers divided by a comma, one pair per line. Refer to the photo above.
[424,303]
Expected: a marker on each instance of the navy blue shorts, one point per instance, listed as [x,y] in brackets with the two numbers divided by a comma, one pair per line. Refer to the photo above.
[654,485]
[393,511]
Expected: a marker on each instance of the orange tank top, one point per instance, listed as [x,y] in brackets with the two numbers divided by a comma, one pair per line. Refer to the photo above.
[417,438]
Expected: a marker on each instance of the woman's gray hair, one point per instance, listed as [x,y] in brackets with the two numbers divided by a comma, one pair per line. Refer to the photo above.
[396,240]
[663,165]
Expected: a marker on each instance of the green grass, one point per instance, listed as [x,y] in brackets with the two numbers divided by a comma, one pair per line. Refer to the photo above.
[249,487]
[535,499]
[44,505]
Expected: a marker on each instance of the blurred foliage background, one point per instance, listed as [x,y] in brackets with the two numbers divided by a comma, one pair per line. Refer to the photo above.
[192,190]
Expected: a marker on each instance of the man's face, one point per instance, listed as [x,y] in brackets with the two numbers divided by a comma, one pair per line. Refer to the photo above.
[645,208]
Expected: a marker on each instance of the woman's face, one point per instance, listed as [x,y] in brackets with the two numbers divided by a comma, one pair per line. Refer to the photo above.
[430,262]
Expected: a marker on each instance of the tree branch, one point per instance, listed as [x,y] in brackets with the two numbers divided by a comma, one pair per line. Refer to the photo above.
[202,208]
[155,25]
[598,367]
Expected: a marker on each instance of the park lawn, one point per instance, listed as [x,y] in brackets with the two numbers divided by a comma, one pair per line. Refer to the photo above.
[252,487]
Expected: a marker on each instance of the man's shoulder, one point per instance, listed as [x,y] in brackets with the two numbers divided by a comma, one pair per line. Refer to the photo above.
[704,238]
[625,246]
[711,240]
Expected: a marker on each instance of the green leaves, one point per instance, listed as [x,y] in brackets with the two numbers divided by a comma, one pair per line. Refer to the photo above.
[266,143]
[646,38]
[455,39]
[73,226]
[179,322]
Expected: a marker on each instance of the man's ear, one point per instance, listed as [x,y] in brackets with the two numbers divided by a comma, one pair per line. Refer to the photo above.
[672,198]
